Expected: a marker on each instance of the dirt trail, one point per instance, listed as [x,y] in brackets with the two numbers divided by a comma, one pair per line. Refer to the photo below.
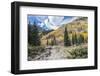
[52,53]
[56,52]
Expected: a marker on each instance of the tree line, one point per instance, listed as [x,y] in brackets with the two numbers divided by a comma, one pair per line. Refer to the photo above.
[34,37]
[76,39]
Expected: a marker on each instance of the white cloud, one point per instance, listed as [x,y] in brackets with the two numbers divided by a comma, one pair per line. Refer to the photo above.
[69,20]
[41,24]
[41,18]
[49,25]
[55,20]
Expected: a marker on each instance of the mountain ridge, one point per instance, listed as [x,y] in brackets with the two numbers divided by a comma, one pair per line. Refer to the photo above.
[78,26]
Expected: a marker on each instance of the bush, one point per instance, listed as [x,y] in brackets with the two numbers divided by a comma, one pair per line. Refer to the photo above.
[35,50]
[78,53]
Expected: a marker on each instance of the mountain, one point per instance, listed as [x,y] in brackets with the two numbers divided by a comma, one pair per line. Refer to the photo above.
[50,22]
[55,22]
[80,26]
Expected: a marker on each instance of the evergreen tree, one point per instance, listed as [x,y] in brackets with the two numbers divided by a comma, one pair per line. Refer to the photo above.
[74,39]
[29,33]
[34,38]
[66,38]
[54,40]
[47,42]
[80,39]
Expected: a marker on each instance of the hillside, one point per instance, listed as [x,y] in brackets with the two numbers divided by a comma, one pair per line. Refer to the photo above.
[78,26]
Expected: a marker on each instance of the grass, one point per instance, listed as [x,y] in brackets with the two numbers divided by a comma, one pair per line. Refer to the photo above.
[61,52]
[78,53]
[33,51]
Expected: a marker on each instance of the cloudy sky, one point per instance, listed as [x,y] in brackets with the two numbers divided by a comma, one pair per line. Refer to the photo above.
[50,22]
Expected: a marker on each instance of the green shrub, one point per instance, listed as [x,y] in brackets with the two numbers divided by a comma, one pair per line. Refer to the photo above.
[35,50]
[78,53]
